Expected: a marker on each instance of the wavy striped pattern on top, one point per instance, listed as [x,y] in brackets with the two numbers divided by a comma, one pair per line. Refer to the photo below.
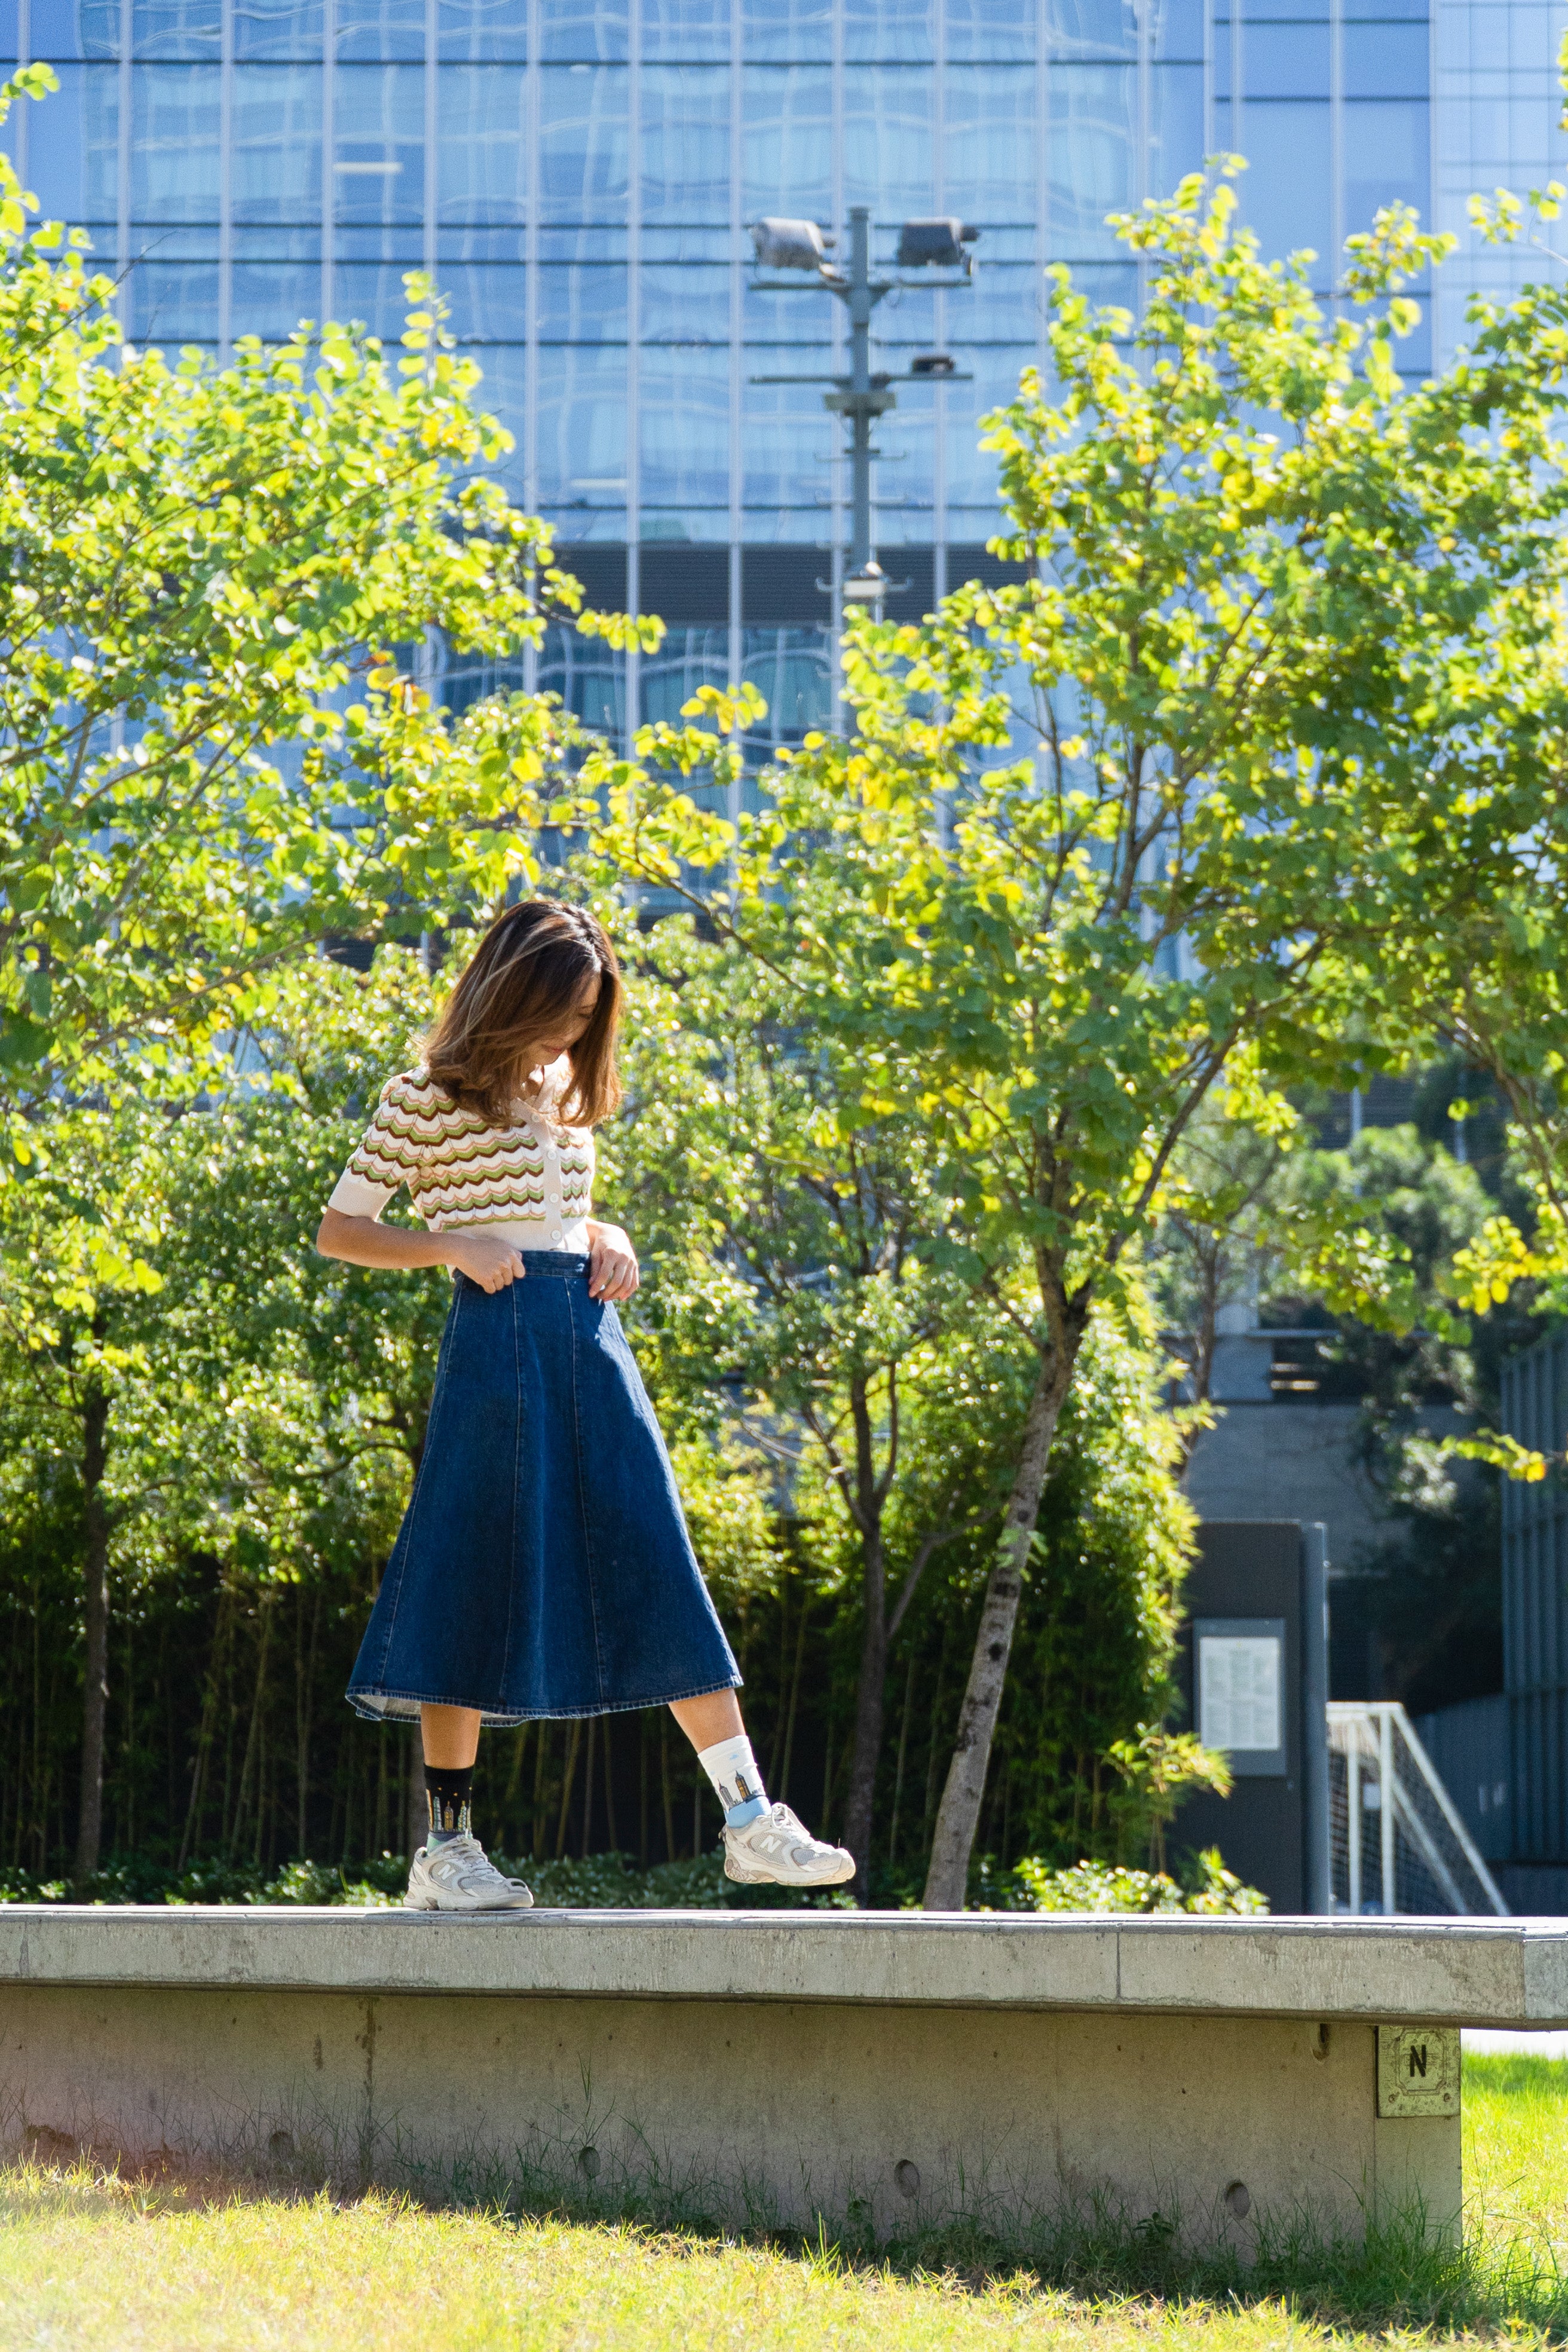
[459,1171]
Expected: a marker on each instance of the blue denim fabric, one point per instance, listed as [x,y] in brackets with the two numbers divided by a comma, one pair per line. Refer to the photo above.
[543,1566]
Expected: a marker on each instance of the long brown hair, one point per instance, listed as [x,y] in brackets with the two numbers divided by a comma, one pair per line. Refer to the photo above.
[524,979]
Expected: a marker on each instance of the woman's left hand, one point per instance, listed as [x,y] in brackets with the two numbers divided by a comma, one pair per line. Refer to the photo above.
[611,1263]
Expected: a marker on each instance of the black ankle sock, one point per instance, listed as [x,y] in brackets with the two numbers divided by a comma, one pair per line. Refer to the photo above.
[449,1796]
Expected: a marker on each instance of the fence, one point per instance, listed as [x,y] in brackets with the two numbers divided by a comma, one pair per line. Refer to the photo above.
[1398,1845]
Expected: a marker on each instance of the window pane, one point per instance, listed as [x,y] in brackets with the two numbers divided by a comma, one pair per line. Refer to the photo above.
[686,303]
[991,143]
[278,28]
[270,298]
[1092,157]
[684,423]
[175,29]
[685,144]
[479,31]
[1176,126]
[894,32]
[1002,305]
[1386,60]
[62,30]
[481,161]
[373,295]
[1178,29]
[1286,60]
[380,28]
[173,302]
[888,141]
[685,28]
[175,170]
[990,30]
[486,303]
[971,471]
[1285,196]
[1092,28]
[277,170]
[793,671]
[1386,160]
[584,31]
[787,29]
[74,171]
[582,424]
[583,303]
[787,143]
[502,394]
[583,143]
[786,439]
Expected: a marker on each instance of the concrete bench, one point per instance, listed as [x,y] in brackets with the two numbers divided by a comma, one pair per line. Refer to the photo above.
[774,2067]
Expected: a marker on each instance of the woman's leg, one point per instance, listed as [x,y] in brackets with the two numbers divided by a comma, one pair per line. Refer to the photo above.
[764,1844]
[451,1736]
[715,1715]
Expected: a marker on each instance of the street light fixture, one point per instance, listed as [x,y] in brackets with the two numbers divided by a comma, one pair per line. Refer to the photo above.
[924,245]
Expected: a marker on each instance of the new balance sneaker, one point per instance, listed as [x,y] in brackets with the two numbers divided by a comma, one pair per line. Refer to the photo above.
[458,1875]
[777,1850]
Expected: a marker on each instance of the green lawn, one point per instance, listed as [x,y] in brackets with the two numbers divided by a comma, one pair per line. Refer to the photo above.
[89,2262]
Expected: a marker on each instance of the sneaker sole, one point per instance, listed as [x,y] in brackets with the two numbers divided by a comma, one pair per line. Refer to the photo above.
[770,1878]
[462,1910]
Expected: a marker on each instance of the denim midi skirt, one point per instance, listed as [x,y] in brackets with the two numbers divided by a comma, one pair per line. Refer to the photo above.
[543,1566]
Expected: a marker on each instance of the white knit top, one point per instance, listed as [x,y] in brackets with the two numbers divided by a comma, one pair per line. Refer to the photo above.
[532,1181]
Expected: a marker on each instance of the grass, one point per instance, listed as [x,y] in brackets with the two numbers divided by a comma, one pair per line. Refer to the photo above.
[88,2259]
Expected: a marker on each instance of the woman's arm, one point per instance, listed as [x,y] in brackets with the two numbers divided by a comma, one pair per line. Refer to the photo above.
[489,1259]
[612,1262]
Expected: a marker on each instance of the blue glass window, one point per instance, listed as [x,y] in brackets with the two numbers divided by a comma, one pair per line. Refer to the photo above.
[1285,196]
[176,28]
[63,29]
[1387,60]
[790,30]
[173,302]
[992,144]
[1387,161]
[687,659]
[376,30]
[276,168]
[1092,155]
[888,139]
[481,158]
[891,32]
[787,440]
[1177,30]
[378,158]
[1288,10]
[481,32]
[583,143]
[685,28]
[970,471]
[1176,126]
[1286,60]
[373,295]
[685,144]
[75,171]
[581,409]
[685,418]
[1092,28]
[1004,305]
[586,32]
[174,162]
[582,302]
[502,394]
[486,302]
[793,671]
[278,28]
[686,303]
[788,142]
[985,31]
[270,298]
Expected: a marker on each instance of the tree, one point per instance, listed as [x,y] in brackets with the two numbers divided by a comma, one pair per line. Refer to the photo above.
[1104,838]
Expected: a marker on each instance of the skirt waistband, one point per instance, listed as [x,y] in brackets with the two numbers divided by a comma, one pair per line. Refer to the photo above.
[564,1265]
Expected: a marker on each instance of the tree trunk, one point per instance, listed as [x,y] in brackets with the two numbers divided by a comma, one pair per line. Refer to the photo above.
[958,1816]
[95,1695]
[866,1753]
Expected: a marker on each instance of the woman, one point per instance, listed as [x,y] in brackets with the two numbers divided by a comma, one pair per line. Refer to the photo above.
[543,1566]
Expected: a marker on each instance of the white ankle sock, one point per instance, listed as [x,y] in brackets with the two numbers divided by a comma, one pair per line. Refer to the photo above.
[737,1783]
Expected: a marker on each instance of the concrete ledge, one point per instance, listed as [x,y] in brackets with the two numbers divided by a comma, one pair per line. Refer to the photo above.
[893,2068]
[1496,1972]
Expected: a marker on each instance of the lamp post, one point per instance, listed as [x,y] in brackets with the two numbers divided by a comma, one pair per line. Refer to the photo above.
[860,397]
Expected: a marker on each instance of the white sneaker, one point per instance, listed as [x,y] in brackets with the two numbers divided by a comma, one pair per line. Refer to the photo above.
[458,1875]
[777,1850]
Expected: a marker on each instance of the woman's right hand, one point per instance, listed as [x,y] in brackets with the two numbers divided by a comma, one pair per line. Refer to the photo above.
[486,1258]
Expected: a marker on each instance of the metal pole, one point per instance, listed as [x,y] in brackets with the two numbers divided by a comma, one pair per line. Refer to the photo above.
[1352,1818]
[860,303]
[1386,1793]
[1317,1892]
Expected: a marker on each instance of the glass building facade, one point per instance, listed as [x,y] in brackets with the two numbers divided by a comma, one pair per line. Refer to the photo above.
[578,175]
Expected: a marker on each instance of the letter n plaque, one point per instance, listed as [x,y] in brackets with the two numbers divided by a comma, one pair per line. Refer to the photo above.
[1417,2069]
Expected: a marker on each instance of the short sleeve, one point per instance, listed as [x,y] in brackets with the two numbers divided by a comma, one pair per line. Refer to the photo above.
[388,1155]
